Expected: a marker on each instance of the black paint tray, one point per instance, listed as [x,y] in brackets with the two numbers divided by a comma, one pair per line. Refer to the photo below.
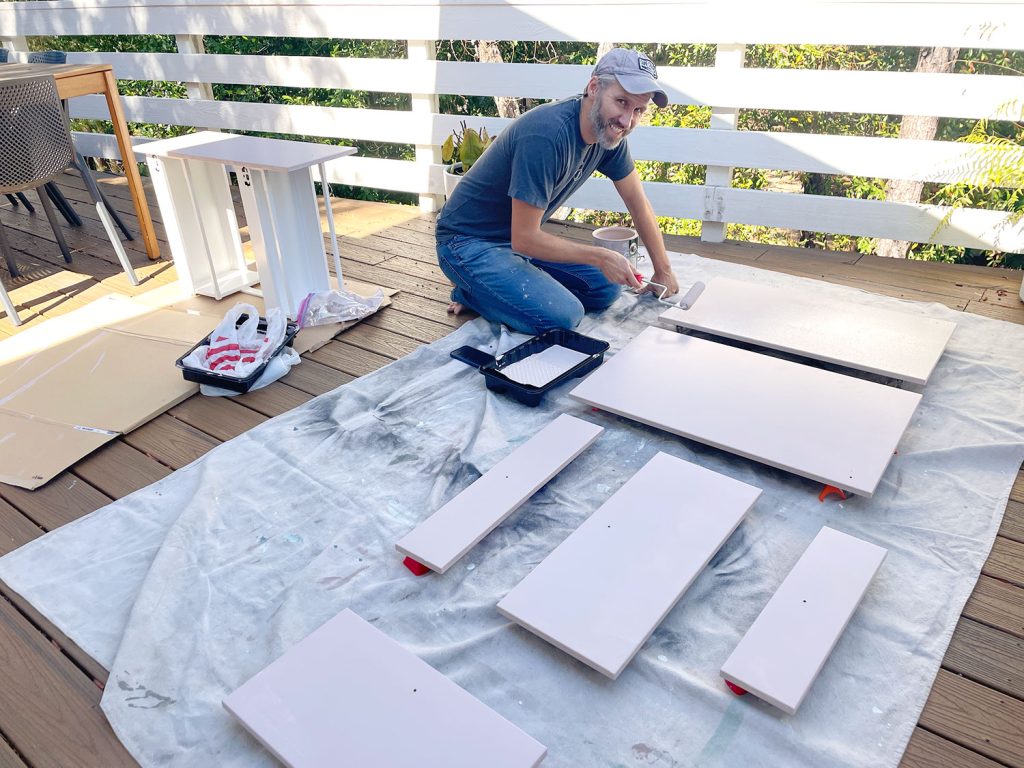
[528,394]
[226,381]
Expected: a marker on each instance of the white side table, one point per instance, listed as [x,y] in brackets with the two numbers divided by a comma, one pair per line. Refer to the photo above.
[276,182]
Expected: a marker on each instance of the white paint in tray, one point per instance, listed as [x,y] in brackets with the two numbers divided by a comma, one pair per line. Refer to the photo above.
[545,366]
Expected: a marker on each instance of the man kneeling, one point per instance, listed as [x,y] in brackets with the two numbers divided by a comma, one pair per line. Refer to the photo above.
[489,238]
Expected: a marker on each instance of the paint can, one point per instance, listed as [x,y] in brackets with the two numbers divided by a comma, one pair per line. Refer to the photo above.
[621,240]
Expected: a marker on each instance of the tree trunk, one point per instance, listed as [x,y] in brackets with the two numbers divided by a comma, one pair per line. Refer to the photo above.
[915,127]
[487,51]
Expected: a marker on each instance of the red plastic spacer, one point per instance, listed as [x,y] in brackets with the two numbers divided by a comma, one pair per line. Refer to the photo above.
[418,569]
[735,688]
[829,490]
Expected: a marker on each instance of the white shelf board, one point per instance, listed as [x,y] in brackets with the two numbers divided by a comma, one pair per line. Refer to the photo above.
[785,648]
[602,592]
[898,344]
[258,152]
[350,695]
[460,524]
[228,282]
[832,428]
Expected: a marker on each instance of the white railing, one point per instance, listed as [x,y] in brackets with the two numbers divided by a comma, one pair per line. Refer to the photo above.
[725,87]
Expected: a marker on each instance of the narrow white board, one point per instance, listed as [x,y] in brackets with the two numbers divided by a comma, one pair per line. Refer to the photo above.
[460,524]
[350,695]
[787,645]
[897,344]
[836,429]
[602,592]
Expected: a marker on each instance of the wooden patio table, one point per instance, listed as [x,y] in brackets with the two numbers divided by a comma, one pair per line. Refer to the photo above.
[80,79]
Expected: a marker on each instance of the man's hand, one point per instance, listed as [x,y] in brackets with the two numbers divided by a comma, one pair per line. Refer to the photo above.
[665,278]
[617,268]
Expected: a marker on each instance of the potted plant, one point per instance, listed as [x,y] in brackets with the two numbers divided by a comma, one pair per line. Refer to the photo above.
[460,151]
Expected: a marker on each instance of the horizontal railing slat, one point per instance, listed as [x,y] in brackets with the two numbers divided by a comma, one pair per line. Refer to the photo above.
[912,93]
[894,23]
[970,228]
[814,153]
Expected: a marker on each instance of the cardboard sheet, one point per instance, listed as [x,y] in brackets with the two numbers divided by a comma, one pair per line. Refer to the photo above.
[78,381]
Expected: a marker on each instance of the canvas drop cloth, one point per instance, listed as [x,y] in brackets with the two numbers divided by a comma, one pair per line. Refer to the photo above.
[188,587]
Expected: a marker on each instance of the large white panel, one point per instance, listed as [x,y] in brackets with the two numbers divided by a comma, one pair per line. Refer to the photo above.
[460,524]
[836,429]
[350,695]
[785,648]
[602,592]
[899,344]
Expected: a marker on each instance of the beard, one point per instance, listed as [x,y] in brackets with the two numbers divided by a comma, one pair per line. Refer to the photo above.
[601,127]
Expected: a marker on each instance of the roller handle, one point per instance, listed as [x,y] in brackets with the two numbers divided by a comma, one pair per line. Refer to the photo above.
[472,356]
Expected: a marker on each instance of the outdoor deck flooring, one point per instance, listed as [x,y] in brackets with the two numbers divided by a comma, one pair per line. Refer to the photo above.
[50,690]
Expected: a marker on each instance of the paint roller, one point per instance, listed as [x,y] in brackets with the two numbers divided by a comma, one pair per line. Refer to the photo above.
[688,299]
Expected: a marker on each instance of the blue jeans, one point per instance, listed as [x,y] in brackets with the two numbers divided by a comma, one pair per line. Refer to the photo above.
[528,295]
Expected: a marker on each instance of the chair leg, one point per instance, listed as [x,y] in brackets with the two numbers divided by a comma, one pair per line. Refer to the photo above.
[25,202]
[98,196]
[54,193]
[8,305]
[115,241]
[54,224]
[12,265]
[108,224]
[13,200]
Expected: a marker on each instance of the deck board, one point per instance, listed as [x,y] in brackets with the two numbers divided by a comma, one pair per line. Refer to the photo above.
[117,469]
[926,750]
[976,717]
[314,378]
[49,698]
[171,442]
[987,656]
[63,499]
[45,694]
[998,604]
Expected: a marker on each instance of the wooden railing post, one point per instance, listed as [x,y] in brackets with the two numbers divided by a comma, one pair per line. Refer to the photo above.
[728,56]
[427,103]
[194,44]
[16,43]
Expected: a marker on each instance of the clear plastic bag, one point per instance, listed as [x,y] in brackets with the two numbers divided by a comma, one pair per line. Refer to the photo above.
[337,306]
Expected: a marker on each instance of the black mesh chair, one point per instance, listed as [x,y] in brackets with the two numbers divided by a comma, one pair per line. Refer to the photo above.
[35,147]
[59,57]
[19,198]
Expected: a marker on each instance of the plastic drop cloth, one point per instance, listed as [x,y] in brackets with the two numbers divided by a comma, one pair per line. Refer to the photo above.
[188,587]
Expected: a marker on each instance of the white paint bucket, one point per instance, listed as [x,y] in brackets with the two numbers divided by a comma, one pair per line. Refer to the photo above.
[621,240]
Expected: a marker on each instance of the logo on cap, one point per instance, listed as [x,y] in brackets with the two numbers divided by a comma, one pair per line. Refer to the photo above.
[647,66]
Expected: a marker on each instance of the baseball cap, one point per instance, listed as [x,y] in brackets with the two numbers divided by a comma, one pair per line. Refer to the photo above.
[635,72]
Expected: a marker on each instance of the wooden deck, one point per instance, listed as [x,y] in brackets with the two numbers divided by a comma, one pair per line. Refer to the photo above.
[50,690]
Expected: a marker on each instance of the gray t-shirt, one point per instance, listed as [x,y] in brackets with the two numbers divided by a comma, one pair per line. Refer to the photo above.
[540,159]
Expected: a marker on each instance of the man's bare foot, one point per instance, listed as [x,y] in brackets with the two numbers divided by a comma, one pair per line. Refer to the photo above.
[455,308]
